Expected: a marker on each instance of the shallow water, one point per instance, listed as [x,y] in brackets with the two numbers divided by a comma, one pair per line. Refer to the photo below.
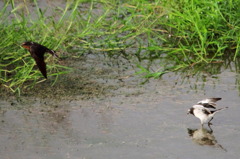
[128,120]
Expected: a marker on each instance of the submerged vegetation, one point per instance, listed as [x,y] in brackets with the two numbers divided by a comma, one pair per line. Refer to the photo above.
[179,34]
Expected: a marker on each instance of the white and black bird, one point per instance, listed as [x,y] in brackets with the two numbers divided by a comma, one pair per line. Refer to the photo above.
[209,102]
[202,111]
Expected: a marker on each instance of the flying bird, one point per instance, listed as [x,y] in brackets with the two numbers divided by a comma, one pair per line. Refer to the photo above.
[37,51]
[202,111]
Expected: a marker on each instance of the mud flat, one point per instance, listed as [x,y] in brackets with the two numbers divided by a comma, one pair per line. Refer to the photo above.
[101,110]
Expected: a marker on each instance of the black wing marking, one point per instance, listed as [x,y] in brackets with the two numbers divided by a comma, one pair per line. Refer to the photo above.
[206,111]
[209,105]
[209,102]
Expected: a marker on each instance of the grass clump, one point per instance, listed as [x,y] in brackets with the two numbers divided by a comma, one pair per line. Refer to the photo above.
[199,32]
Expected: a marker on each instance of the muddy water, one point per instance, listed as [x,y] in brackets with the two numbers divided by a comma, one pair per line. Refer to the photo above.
[111,115]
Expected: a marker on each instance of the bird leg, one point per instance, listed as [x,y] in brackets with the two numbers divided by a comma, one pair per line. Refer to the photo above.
[209,123]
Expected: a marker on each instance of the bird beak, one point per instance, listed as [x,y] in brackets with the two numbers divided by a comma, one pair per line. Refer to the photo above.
[188,111]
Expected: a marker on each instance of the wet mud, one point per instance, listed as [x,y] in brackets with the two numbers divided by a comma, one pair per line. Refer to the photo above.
[101,110]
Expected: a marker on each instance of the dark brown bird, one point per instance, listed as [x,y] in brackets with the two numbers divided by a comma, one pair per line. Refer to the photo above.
[37,51]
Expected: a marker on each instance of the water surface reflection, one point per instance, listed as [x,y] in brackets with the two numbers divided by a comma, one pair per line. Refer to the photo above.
[203,136]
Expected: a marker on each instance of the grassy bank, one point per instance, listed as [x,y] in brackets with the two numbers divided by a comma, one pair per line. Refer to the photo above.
[180,34]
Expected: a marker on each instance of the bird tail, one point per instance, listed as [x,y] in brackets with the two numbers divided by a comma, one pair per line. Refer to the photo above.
[52,52]
[217,110]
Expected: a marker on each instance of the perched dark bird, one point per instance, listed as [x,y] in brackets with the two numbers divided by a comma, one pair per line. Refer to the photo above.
[202,112]
[37,51]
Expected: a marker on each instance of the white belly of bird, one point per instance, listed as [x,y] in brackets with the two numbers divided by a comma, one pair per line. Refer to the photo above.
[202,116]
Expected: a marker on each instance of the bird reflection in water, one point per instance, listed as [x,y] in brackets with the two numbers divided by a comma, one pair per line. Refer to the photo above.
[203,137]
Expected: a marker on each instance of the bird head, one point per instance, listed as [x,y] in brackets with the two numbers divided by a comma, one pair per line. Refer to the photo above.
[190,111]
[27,45]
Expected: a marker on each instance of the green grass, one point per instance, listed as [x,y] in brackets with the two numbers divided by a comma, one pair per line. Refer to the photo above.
[180,34]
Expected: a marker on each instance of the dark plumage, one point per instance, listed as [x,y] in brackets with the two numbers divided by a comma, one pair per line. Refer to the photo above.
[37,51]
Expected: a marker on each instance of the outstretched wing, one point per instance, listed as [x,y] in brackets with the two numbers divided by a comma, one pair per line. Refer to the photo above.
[41,65]
[37,52]
[209,102]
